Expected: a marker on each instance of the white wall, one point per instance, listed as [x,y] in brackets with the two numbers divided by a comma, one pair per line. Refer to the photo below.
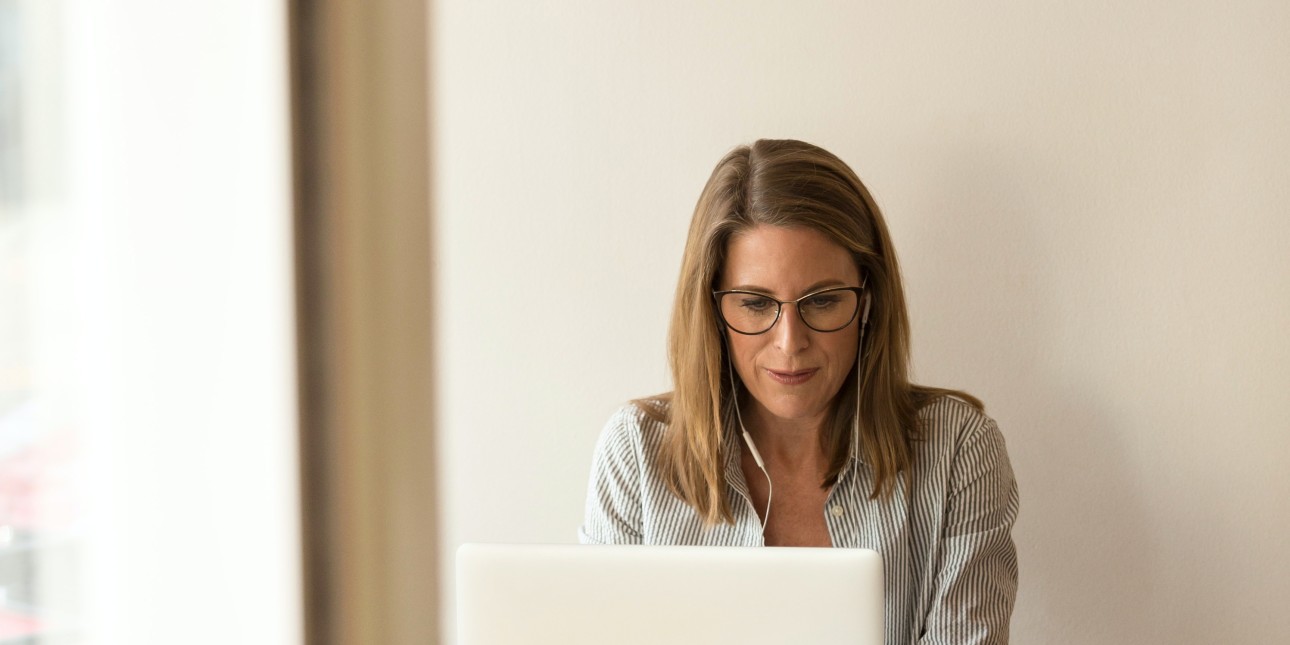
[1090,201]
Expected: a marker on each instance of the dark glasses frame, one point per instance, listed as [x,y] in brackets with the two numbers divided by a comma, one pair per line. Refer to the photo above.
[779,308]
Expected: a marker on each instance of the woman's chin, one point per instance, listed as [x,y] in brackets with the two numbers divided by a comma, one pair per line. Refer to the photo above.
[793,409]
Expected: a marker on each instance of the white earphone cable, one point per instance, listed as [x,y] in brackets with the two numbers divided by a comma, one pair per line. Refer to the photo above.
[752,448]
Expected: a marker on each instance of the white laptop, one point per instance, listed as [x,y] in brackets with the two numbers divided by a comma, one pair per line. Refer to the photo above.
[674,595]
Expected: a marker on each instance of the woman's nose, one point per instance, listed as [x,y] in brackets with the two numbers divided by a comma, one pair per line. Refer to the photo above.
[791,334]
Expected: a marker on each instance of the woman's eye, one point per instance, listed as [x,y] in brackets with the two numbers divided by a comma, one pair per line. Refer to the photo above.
[753,303]
[822,302]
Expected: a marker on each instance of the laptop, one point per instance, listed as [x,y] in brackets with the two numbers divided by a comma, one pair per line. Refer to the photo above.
[677,595]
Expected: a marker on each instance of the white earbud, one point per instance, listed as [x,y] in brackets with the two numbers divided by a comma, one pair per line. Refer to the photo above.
[864,317]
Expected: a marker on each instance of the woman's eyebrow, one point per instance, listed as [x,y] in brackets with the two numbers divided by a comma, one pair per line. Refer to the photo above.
[822,284]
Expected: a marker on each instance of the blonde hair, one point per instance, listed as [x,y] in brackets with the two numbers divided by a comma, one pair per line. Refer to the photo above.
[792,184]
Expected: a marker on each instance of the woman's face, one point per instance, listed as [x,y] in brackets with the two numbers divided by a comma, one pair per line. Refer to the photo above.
[792,371]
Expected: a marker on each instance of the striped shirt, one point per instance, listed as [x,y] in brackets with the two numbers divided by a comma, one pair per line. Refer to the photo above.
[949,563]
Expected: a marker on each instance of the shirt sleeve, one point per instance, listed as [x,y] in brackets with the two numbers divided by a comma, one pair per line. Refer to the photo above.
[613,514]
[976,581]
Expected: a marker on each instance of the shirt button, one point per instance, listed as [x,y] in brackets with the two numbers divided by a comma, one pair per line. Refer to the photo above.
[837,510]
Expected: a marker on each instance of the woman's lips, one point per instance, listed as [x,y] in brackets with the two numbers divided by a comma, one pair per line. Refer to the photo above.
[791,378]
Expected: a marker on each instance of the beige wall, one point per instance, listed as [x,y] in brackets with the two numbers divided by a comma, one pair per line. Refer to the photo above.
[1090,202]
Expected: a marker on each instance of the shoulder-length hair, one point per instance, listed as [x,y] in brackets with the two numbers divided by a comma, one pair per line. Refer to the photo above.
[792,184]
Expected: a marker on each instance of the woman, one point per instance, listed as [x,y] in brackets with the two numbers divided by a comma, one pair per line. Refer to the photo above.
[793,421]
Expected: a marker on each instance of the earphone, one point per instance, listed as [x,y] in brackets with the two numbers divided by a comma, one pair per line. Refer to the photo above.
[864,324]
[864,318]
[752,447]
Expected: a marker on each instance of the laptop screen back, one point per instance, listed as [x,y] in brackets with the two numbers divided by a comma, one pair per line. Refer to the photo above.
[629,595]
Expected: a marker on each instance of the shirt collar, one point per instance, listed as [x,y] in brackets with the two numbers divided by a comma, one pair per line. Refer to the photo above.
[734,464]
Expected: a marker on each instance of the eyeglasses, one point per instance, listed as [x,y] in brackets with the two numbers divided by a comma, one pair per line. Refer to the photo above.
[751,313]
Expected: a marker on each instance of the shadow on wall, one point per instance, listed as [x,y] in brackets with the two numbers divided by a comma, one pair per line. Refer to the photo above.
[992,321]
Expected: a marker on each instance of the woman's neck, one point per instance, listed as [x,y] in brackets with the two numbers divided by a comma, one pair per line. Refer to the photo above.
[794,443]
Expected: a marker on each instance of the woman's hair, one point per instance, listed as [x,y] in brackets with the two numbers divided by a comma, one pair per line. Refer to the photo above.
[792,184]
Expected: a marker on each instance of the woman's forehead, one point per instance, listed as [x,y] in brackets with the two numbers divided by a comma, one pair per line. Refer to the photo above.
[787,262]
